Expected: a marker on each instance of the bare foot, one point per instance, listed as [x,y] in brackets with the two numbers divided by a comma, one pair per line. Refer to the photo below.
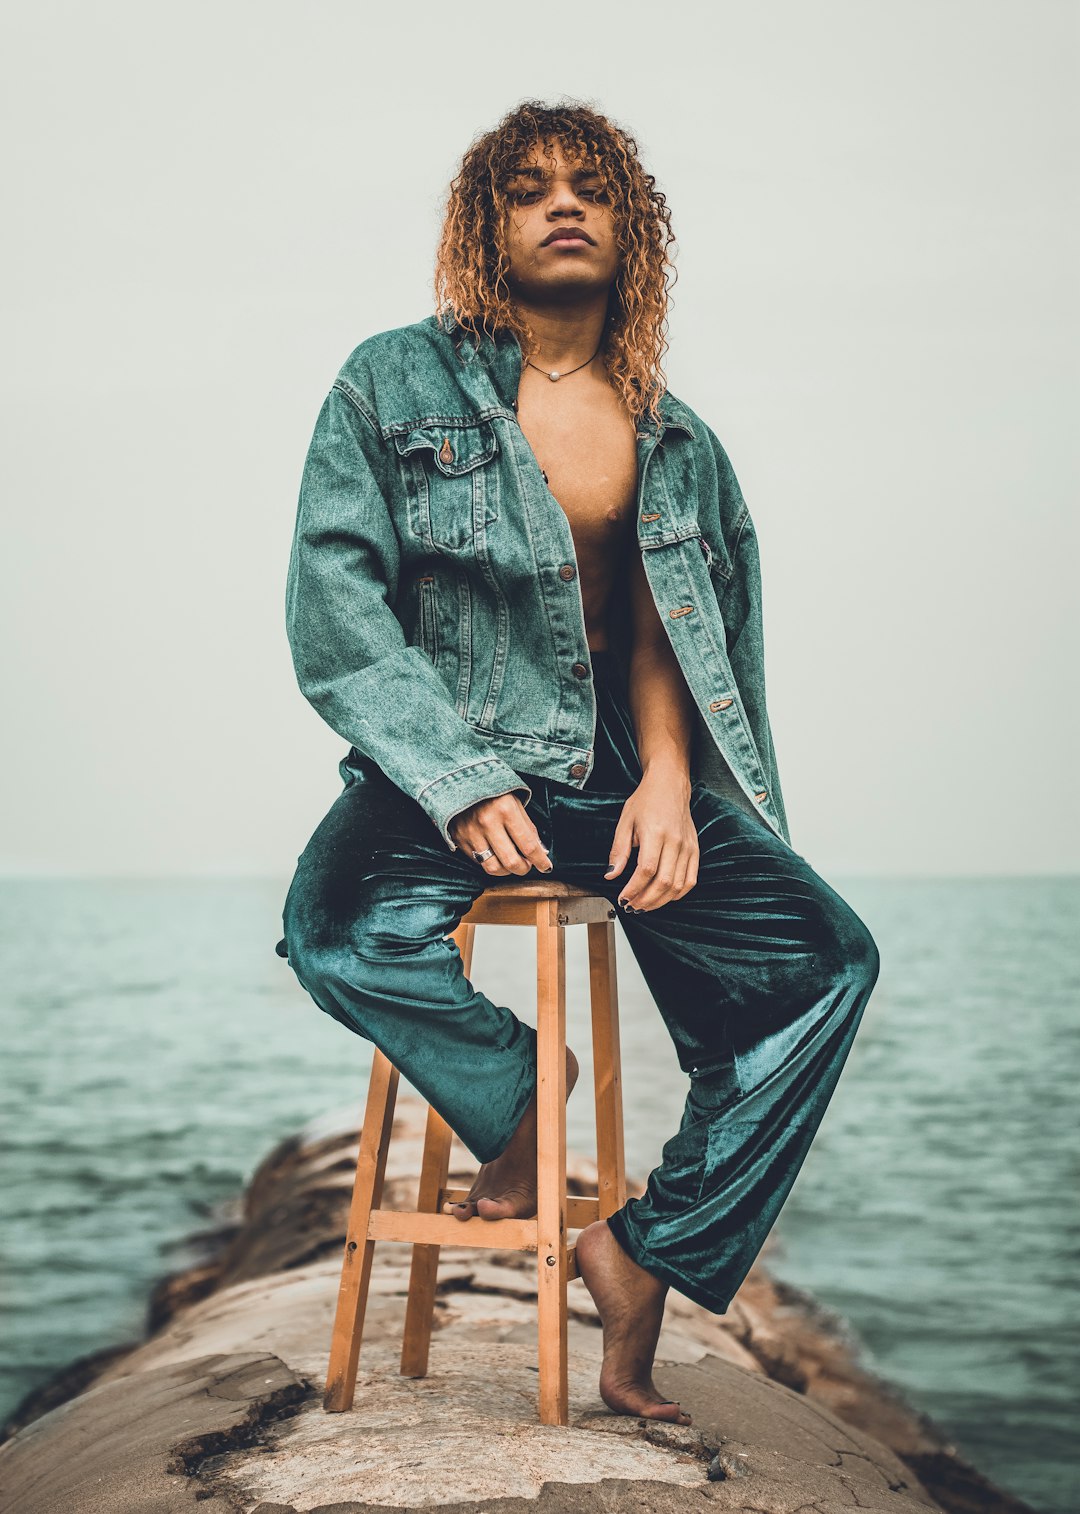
[630,1302]
[505,1189]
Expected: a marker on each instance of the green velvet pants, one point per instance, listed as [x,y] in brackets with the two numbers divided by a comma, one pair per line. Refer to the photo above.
[760,975]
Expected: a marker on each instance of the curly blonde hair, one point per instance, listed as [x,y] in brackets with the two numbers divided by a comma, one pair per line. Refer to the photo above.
[472,262]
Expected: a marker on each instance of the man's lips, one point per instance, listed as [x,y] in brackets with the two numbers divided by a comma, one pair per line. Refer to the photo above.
[566,235]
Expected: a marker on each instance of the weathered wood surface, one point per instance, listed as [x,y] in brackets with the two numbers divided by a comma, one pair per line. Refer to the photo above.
[221,1408]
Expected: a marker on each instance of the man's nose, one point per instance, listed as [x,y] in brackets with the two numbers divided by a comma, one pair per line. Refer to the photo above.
[564,200]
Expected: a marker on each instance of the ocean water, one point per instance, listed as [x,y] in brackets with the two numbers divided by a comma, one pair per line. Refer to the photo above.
[155,1048]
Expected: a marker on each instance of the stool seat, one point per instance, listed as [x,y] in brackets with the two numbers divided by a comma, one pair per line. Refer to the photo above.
[537,888]
[550,906]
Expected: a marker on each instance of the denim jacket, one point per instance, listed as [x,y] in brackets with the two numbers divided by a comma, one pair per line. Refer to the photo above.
[433,605]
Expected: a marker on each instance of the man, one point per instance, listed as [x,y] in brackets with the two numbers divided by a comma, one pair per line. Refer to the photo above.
[524,586]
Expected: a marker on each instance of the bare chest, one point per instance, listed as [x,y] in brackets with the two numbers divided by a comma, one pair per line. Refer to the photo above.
[589,455]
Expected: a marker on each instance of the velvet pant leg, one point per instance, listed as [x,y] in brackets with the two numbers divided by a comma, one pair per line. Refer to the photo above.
[366,921]
[760,974]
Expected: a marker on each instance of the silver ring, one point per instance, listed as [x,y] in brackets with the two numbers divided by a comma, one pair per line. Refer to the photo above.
[484,855]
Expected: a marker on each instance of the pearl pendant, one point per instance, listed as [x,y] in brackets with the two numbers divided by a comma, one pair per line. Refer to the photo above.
[553,375]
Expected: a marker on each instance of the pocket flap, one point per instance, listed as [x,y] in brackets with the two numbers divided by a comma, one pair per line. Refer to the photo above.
[714,555]
[456,449]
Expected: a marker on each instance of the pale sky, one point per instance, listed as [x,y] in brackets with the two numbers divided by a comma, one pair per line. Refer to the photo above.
[209,206]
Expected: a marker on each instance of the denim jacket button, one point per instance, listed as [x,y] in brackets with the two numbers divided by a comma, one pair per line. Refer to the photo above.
[578,770]
[579,670]
[567,571]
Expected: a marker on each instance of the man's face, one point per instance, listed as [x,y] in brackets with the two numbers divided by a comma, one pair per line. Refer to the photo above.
[560,233]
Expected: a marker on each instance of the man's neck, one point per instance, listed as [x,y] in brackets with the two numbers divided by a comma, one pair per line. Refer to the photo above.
[566,333]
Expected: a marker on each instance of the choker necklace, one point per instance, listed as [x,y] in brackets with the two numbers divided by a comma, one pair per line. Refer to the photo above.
[554,375]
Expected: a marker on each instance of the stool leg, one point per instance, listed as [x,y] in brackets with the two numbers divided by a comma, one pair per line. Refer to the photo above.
[356,1267]
[464,936]
[425,1259]
[607,1069]
[423,1276]
[551,1167]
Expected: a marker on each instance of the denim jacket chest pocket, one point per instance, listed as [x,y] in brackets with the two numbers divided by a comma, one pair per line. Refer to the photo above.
[671,521]
[450,477]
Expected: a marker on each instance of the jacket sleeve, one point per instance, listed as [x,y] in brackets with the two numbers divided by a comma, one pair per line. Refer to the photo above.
[746,651]
[741,607]
[352,661]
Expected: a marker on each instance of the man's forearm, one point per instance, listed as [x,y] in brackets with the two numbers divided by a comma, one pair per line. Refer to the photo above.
[662,709]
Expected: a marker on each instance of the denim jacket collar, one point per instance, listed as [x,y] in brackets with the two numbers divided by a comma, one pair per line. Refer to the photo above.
[502,357]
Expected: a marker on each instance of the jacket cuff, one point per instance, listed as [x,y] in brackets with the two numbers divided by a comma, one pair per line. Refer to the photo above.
[451,793]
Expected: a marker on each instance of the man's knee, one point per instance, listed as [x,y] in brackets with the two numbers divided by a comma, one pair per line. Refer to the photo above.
[838,950]
[348,985]
[850,953]
[861,954]
[315,956]
[366,950]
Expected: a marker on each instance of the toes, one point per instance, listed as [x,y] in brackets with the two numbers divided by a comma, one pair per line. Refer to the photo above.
[668,1413]
[463,1211]
[638,1405]
[494,1209]
[660,1411]
[511,1208]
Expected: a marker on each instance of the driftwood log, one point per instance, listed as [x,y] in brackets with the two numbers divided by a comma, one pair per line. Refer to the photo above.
[220,1408]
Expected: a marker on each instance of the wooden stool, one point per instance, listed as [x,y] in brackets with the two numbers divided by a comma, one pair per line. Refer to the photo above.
[550,906]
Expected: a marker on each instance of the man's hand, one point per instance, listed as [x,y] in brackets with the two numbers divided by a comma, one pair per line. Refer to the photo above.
[656,819]
[502,824]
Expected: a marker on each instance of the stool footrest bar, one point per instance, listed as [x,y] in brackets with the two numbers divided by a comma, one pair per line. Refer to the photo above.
[580,1211]
[444,1230]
